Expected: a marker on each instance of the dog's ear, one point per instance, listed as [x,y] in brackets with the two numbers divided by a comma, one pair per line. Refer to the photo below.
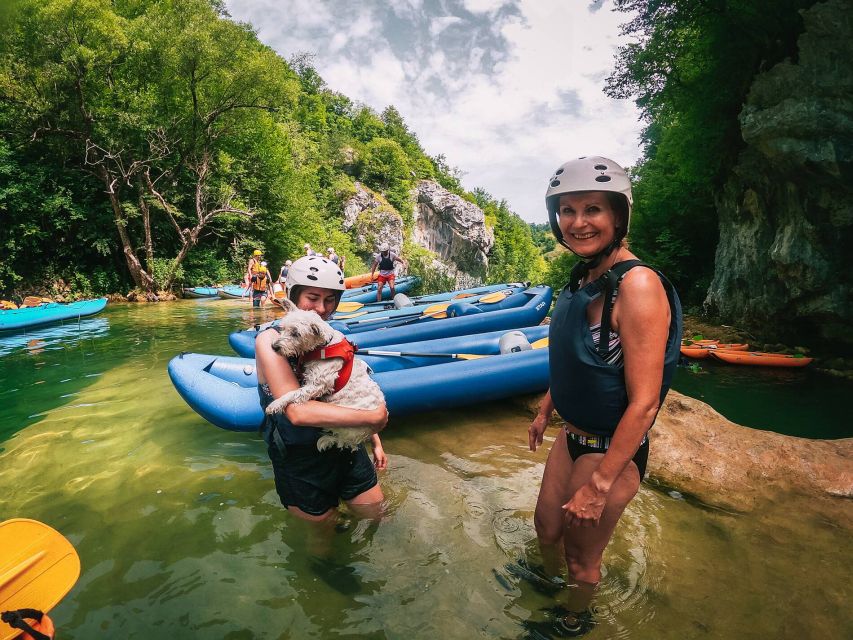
[317,329]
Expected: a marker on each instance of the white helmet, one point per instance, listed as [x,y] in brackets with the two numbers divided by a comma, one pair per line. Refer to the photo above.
[590,173]
[384,247]
[263,264]
[330,250]
[287,263]
[314,271]
[307,246]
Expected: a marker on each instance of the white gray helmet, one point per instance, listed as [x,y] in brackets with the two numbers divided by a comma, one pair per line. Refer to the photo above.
[330,250]
[384,247]
[287,263]
[313,271]
[590,173]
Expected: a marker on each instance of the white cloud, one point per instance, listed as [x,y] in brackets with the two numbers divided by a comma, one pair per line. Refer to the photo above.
[506,96]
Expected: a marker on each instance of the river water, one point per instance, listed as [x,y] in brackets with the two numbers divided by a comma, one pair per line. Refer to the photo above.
[181,534]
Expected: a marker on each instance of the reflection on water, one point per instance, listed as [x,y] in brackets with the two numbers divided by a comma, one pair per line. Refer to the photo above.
[181,534]
[53,337]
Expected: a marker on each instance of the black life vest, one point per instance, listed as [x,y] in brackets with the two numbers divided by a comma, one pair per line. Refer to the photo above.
[386,263]
[588,392]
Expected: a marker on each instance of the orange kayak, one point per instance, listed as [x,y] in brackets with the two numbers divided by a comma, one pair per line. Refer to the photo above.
[698,343]
[353,282]
[760,359]
[695,352]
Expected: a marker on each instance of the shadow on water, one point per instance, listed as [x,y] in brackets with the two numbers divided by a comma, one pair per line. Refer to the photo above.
[181,534]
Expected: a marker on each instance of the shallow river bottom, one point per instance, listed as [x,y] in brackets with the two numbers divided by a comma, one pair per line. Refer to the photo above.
[181,534]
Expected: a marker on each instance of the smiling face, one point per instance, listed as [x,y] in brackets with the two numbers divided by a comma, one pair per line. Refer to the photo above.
[321,301]
[587,220]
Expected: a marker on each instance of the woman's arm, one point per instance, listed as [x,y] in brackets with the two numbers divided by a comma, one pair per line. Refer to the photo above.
[276,372]
[536,430]
[641,316]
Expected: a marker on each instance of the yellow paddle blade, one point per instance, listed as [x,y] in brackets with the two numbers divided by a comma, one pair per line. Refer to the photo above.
[437,310]
[540,344]
[349,306]
[38,566]
[491,298]
[470,356]
[459,296]
[347,316]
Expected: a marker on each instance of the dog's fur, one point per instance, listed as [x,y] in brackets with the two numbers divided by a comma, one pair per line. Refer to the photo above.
[302,332]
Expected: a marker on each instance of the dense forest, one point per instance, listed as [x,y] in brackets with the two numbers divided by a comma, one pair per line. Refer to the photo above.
[689,69]
[149,144]
[152,143]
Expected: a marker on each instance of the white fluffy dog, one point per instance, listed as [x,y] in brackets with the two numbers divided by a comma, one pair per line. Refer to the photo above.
[302,332]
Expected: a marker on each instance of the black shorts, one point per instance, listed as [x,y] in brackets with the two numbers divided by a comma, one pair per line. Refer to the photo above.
[641,458]
[316,481]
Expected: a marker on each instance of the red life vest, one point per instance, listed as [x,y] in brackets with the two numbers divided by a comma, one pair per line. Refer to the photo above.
[343,349]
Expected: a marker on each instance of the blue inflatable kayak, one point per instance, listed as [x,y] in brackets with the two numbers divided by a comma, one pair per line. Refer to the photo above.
[367,293]
[223,389]
[16,319]
[230,291]
[524,309]
[368,315]
[200,292]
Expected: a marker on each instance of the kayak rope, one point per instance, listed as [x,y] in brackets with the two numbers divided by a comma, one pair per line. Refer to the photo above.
[15,619]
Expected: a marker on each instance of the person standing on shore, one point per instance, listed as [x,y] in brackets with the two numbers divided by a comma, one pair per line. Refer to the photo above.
[384,260]
[613,349]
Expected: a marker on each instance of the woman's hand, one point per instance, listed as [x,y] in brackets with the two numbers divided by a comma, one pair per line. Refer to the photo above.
[380,460]
[536,431]
[585,507]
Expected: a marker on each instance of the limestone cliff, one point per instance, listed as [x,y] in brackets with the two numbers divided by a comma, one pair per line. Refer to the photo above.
[783,265]
[445,224]
[452,228]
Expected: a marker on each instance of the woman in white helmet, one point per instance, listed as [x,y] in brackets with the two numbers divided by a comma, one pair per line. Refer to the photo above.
[311,483]
[608,391]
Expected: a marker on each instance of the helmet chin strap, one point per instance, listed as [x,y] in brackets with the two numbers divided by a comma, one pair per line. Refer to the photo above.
[588,263]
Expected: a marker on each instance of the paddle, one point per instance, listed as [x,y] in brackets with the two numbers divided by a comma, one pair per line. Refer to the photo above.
[347,307]
[543,342]
[438,310]
[38,567]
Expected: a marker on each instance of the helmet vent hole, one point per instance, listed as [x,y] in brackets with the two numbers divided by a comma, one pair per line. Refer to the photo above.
[602,179]
[601,167]
[311,276]
[555,183]
[559,171]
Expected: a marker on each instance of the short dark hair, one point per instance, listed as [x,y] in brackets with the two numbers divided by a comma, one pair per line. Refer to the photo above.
[619,203]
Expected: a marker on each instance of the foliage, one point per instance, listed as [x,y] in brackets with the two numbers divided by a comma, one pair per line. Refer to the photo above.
[559,270]
[155,143]
[689,68]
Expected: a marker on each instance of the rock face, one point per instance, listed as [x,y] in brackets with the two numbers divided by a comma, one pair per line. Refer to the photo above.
[372,221]
[786,212]
[699,452]
[454,229]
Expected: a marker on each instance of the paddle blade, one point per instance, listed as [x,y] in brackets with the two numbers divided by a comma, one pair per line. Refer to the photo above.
[459,296]
[540,344]
[470,356]
[38,566]
[436,310]
[346,307]
[491,298]
[349,316]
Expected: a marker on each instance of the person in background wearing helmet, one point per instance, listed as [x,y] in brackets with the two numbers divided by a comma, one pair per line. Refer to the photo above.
[308,250]
[261,285]
[332,256]
[608,390]
[252,267]
[385,260]
[312,483]
[282,275]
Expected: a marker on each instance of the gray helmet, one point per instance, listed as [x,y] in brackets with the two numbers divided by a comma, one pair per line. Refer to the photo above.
[590,173]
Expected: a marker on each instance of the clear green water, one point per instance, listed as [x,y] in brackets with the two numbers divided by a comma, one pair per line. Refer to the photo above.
[181,534]
[797,402]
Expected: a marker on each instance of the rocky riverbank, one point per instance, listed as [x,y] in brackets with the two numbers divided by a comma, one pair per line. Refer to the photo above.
[706,457]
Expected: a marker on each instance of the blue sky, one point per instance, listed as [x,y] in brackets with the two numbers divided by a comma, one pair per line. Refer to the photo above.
[507,90]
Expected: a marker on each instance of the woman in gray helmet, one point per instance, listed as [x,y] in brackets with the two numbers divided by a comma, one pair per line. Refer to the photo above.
[607,390]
